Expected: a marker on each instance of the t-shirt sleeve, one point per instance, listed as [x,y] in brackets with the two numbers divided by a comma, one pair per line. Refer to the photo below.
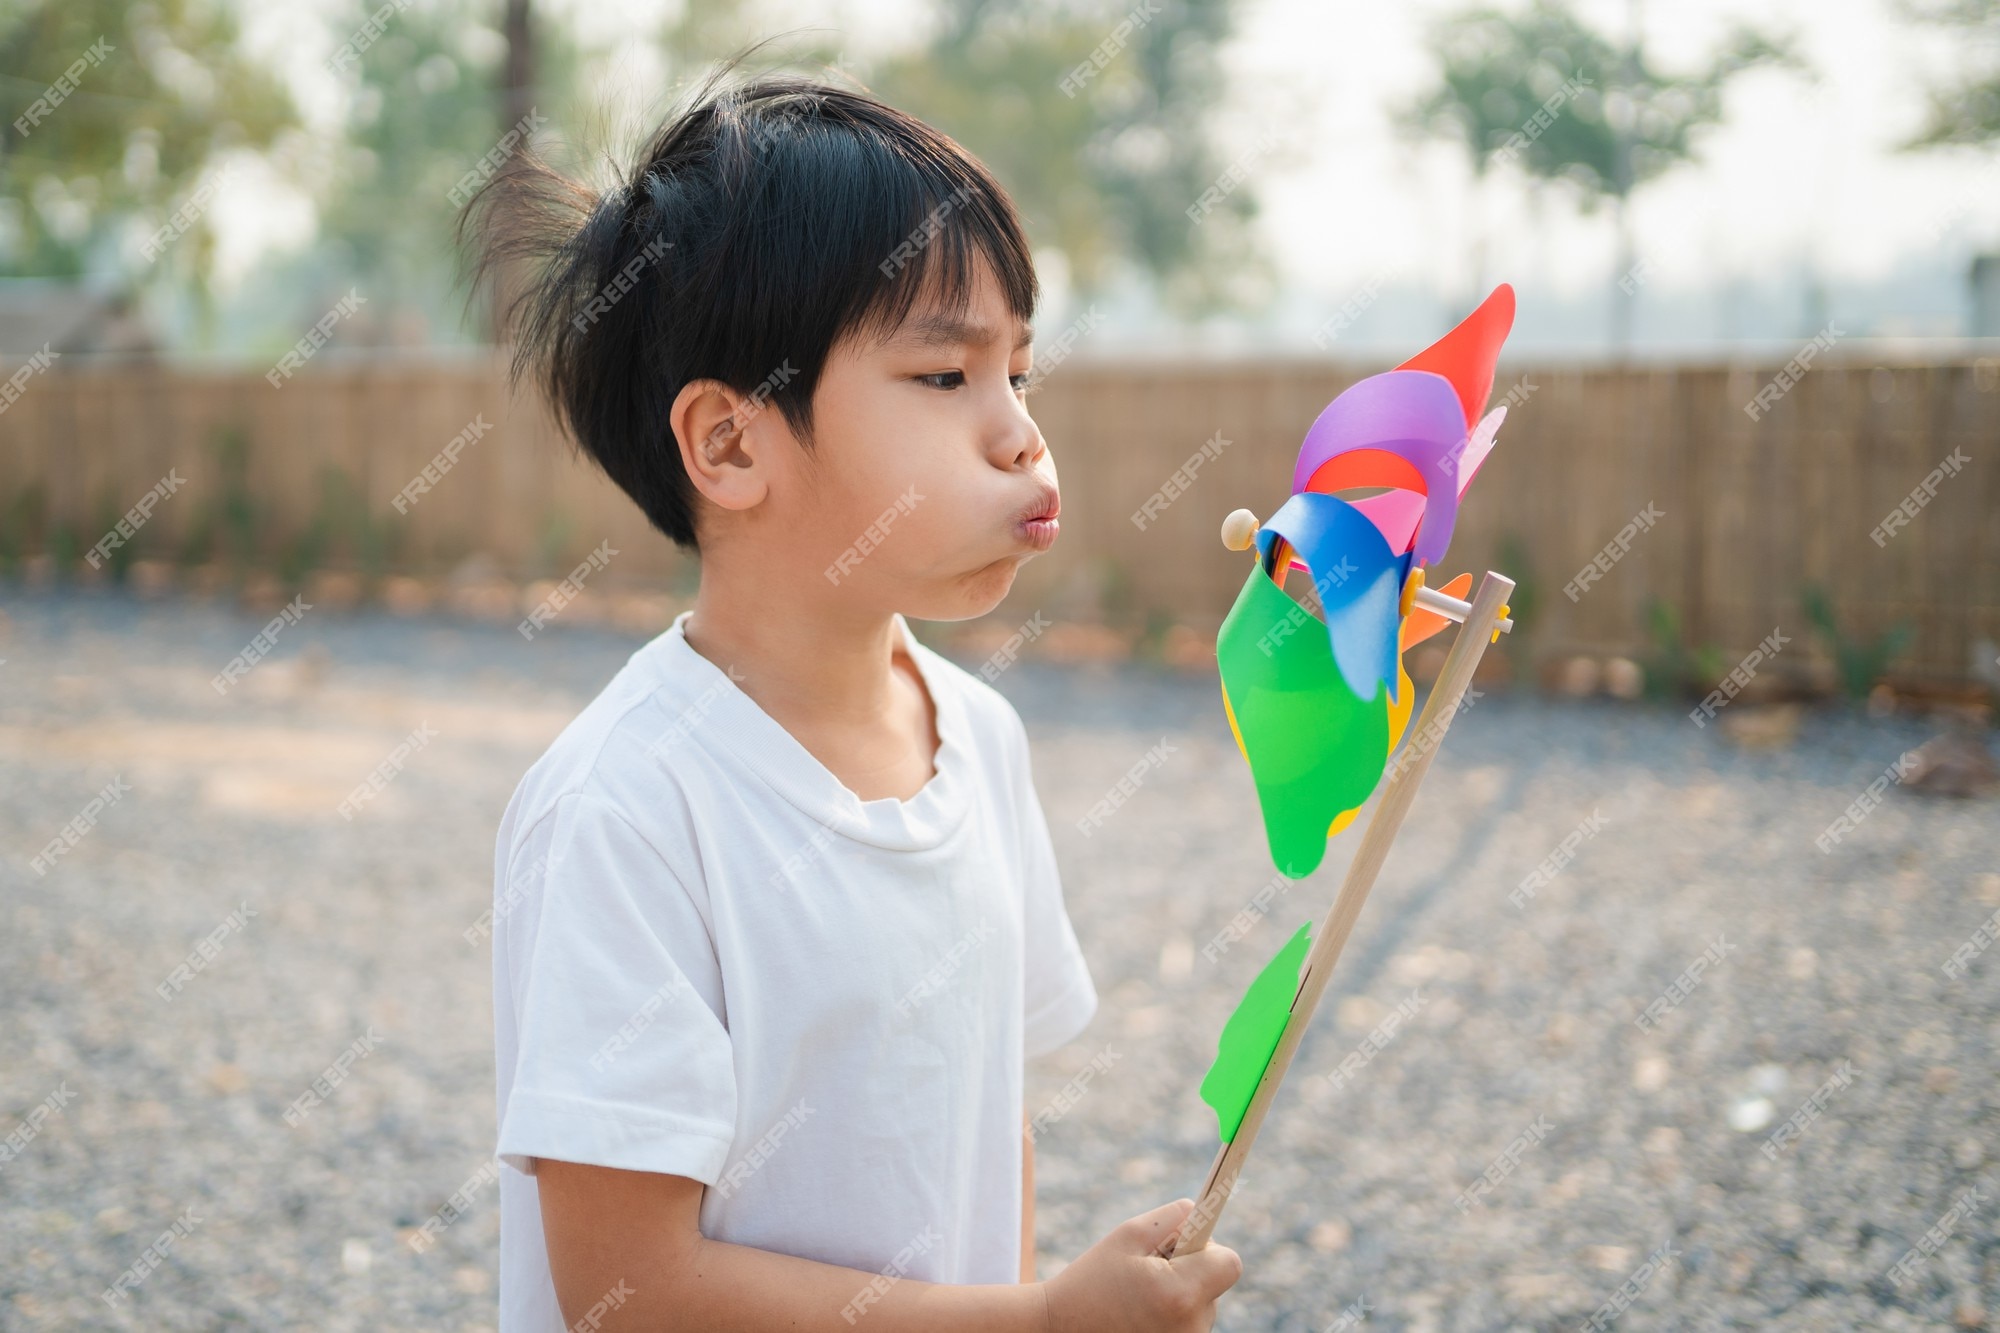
[1058,996]
[622,1058]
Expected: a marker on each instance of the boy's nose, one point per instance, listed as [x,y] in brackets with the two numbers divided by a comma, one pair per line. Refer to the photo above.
[1021,444]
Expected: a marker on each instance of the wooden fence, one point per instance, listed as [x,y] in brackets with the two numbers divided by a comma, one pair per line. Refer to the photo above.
[1751,512]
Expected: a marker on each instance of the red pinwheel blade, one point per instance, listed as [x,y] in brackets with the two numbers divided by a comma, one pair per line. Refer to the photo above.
[1467,354]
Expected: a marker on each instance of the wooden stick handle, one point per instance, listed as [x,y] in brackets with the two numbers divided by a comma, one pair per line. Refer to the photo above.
[1406,769]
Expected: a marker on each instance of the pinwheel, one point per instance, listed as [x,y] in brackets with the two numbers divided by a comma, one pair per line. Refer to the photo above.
[1318,703]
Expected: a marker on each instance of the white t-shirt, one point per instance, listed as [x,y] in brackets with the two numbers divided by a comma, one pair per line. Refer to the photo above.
[711,959]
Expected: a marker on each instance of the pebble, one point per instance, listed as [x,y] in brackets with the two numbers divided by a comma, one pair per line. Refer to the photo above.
[1750,1114]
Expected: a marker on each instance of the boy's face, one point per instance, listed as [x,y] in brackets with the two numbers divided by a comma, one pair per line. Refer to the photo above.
[927,485]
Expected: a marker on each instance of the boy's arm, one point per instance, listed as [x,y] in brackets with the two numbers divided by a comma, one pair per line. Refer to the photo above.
[626,1251]
[1027,1200]
[633,1238]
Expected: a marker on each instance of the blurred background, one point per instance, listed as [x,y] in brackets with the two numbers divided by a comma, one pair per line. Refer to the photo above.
[269,510]
[226,235]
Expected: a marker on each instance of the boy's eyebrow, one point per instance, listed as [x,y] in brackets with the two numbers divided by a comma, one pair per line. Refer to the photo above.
[947,331]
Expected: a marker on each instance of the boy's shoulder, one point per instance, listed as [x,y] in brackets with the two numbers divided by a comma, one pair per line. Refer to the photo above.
[618,748]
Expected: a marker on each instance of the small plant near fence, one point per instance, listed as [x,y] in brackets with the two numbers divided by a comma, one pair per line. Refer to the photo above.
[1859,663]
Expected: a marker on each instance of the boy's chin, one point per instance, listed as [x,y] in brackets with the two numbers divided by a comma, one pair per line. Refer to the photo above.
[968,598]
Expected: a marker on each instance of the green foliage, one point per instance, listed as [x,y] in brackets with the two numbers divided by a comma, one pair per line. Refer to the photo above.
[1545,91]
[698,36]
[346,531]
[372,543]
[118,560]
[1105,176]
[1117,594]
[1624,124]
[225,525]
[1667,669]
[171,91]
[1152,643]
[424,107]
[65,547]
[1859,663]
[1965,109]
[233,527]
[22,523]
[554,539]
[237,504]
[306,551]
[1526,596]
[1674,669]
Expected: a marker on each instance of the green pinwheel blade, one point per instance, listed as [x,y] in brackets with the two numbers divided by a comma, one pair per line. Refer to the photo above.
[1316,749]
[1251,1035]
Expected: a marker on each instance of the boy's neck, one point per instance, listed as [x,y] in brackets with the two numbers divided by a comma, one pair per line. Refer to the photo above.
[829,678]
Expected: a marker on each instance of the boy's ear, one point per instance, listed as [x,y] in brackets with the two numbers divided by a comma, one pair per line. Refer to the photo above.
[710,421]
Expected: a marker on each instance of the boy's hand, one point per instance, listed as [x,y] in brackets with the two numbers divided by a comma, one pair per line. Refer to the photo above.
[1122,1285]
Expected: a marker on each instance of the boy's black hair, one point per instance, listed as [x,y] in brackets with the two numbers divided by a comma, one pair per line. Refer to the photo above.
[761,226]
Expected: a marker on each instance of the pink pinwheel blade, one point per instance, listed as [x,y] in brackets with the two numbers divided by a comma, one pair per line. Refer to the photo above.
[1396,513]
[1481,444]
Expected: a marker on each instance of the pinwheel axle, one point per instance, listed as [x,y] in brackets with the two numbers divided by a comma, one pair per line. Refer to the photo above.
[1430,599]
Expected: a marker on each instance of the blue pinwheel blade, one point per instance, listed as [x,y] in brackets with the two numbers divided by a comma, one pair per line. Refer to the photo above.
[1358,579]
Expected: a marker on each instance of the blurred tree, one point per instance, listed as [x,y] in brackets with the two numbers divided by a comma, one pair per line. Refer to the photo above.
[1104,164]
[703,34]
[1966,111]
[439,94]
[1099,120]
[160,91]
[1547,93]
[517,79]
[517,102]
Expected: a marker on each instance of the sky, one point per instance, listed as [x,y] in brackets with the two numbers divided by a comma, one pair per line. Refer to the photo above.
[1799,210]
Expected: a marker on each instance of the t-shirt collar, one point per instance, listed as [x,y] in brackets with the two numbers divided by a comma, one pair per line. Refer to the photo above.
[755,739]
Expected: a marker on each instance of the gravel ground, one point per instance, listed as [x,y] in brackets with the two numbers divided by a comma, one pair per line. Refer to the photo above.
[1826,995]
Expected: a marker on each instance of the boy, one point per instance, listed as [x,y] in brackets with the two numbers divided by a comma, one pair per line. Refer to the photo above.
[777,916]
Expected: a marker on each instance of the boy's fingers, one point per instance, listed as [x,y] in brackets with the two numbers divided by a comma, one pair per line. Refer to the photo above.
[1154,1227]
[1213,1269]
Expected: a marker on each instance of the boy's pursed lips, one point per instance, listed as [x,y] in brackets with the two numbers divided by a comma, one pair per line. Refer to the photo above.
[1036,525]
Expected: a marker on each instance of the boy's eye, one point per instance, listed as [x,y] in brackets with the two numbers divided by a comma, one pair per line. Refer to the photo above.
[954,379]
